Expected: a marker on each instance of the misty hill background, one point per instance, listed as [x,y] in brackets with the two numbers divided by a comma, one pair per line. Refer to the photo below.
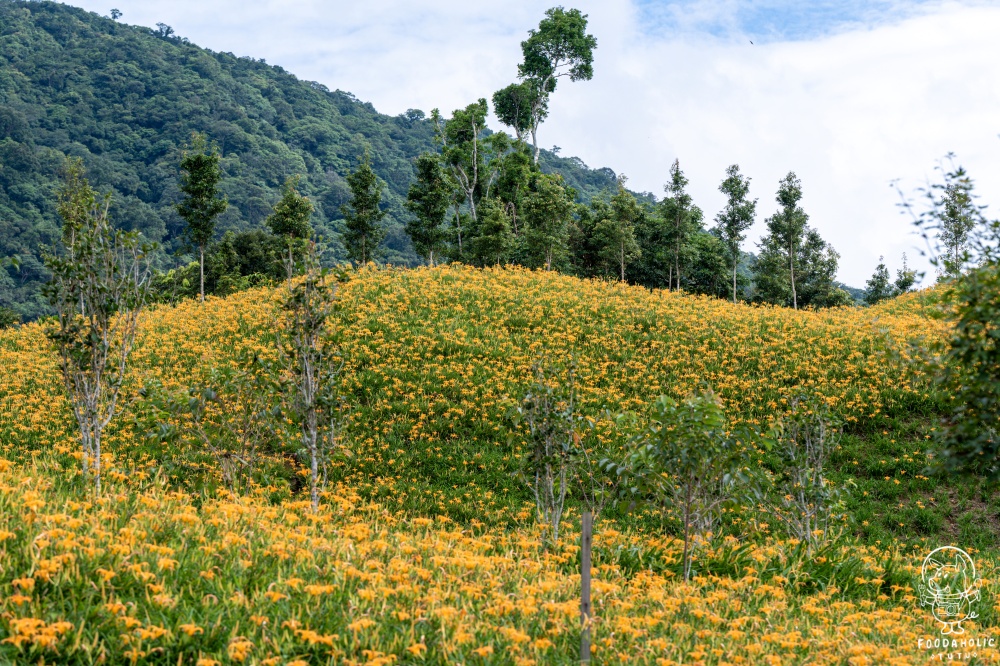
[126,99]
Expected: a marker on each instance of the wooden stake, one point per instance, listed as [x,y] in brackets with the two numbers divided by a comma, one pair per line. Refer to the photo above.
[585,544]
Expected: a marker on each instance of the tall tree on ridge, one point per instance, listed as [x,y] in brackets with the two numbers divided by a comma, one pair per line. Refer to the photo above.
[200,176]
[906,277]
[463,153]
[682,220]
[428,199]
[559,47]
[958,215]
[521,106]
[795,265]
[787,227]
[879,286]
[738,215]
[547,211]
[290,220]
[362,214]
[615,234]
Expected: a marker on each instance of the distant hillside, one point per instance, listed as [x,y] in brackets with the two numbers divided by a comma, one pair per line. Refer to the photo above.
[857,294]
[125,98]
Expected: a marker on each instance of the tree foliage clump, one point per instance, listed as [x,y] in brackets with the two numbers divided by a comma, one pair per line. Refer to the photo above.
[796,267]
[683,463]
[615,233]
[682,219]
[965,247]
[736,218]
[363,214]
[289,221]
[971,373]
[493,241]
[428,199]
[879,287]
[547,213]
[202,204]
[560,47]
[98,288]
[9,318]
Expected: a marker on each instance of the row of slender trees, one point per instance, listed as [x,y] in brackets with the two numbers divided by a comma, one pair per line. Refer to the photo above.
[483,199]
[102,279]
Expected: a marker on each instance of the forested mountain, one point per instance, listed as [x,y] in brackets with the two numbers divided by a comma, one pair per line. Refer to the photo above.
[125,99]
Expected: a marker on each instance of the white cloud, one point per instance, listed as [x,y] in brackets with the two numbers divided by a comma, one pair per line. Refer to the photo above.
[848,112]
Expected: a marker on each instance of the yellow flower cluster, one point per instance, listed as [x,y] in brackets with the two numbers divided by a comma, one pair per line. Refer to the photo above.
[357,584]
[433,359]
[447,342]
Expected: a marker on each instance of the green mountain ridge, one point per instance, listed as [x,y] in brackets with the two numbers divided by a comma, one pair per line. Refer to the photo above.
[125,99]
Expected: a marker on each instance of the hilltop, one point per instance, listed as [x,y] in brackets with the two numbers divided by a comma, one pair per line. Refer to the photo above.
[424,548]
[435,359]
[126,98]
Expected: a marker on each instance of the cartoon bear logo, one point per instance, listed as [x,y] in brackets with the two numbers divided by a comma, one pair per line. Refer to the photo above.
[950,587]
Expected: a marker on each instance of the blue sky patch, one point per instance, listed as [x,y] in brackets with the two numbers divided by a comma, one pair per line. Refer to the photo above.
[772,20]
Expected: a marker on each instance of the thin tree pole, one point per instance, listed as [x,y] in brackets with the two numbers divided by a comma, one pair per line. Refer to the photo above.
[586,542]
[791,267]
[734,282]
[201,271]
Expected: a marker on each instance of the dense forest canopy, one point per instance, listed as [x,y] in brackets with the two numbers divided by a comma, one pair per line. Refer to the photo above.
[126,100]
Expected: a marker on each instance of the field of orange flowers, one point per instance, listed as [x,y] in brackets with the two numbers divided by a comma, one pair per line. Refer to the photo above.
[424,549]
[435,359]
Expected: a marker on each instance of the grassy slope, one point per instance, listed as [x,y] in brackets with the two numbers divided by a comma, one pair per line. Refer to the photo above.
[437,358]
[434,360]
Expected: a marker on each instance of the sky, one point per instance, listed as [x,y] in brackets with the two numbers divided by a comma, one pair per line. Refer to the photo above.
[851,95]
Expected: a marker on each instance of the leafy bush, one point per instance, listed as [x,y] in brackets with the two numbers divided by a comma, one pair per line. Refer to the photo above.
[805,500]
[966,247]
[8,317]
[684,462]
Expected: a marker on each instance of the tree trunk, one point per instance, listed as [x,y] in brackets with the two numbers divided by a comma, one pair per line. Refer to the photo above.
[314,469]
[687,547]
[688,499]
[97,463]
[795,300]
[586,542]
[677,250]
[734,283]
[534,141]
[201,252]
[458,226]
